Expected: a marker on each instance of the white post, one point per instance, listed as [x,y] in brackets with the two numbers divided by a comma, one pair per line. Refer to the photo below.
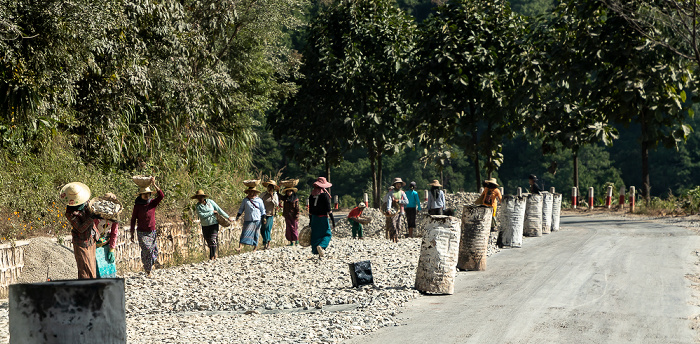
[574,197]
[520,192]
[552,190]
[591,199]
[366,198]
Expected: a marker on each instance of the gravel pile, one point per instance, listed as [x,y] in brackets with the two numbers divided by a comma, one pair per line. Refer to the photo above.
[44,253]
[279,295]
[374,229]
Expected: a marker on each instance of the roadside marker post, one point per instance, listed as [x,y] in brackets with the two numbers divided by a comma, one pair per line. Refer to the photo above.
[335,201]
[590,197]
[552,190]
[622,197]
[632,191]
[366,198]
[574,194]
[520,192]
[425,199]
[608,198]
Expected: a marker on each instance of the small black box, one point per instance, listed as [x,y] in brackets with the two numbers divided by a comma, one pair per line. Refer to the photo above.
[361,273]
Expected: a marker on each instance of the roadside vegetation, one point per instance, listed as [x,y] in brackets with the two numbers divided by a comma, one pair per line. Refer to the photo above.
[204,94]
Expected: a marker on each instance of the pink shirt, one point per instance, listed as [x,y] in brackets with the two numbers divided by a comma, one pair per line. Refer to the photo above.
[145,214]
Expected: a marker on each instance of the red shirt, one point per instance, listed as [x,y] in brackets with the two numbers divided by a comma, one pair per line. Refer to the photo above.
[355,212]
[146,214]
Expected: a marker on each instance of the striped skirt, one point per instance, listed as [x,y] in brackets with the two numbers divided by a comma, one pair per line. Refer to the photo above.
[250,233]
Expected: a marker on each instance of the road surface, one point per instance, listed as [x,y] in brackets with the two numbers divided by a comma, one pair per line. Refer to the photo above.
[599,280]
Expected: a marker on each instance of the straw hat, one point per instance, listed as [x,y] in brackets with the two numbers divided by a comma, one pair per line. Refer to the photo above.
[362,205]
[145,190]
[492,181]
[199,193]
[321,182]
[289,189]
[271,182]
[75,193]
[251,190]
[398,181]
[435,183]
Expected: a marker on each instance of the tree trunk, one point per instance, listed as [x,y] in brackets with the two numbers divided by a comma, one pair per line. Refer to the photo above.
[379,173]
[477,168]
[372,163]
[576,173]
[646,184]
[328,170]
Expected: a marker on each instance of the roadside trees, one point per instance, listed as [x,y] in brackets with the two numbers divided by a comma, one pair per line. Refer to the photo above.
[464,77]
[353,68]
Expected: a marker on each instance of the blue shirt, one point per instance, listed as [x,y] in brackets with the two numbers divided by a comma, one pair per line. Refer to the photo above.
[413,199]
[252,208]
[206,212]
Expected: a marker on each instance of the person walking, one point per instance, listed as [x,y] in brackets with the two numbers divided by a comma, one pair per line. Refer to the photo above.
[84,233]
[254,209]
[271,201]
[207,210]
[534,188]
[290,212]
[412,208]
[436,199]
[397,196]
[144,216]
[108,232]
[320,212]
[388,212]
[356,225]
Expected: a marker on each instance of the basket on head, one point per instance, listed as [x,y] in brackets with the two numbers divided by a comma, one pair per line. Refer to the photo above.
[289,183]
[108,208]
[251,183]
[142,181]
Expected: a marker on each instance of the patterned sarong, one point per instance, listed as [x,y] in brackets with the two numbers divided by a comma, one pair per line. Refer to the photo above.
[149,249]
[250,233]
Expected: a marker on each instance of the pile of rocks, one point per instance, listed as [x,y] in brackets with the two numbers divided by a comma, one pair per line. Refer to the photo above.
[374,229]
[44,255]
[279,295]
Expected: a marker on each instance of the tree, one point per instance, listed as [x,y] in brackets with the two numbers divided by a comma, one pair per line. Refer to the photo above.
[353,67]
[463,77]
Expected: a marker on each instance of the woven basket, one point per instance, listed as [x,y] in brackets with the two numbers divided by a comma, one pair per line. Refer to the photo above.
[106,215]
[363,219]
[142,181]
[251,183]
[289,183]
[305,236]
[223,222]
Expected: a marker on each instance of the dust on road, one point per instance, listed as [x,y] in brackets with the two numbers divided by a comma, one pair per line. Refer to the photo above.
[599,280]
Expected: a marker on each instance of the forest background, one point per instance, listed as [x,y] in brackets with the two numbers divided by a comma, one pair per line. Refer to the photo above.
[204,94]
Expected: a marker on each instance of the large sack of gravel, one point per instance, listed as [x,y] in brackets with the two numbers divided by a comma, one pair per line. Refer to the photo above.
[439,253]
[547,202]
[533,216]
[556,211]
[474,242]
[512,216]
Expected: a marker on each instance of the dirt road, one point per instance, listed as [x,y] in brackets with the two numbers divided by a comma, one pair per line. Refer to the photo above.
[600,280]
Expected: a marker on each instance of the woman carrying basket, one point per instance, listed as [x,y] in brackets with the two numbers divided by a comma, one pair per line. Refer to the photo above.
[207,210]
[144,214]
[254,210]
[84,232]
[291,215]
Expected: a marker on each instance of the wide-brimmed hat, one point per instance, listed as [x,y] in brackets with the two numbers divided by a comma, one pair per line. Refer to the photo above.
[321,182]
[199,193]
[362,205]
[271,182]
[398,181]
[75,193]
[290,189]
[435,183]
[251,190]
[492,181]
[145,190]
